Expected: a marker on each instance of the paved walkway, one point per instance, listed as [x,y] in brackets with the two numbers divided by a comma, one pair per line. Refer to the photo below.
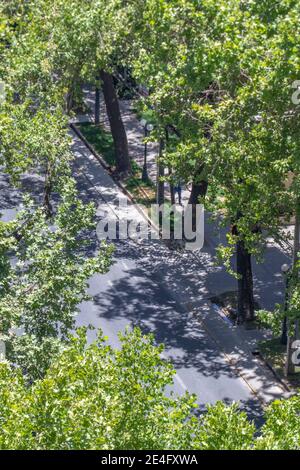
[268,278]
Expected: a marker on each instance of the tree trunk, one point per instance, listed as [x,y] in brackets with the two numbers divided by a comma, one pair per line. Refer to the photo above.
[289,366]
[69,100]
[198,190]
[71,93]
[172,192]
[123,164]
[97,106]
[47,192]
[296,248]
[245,284]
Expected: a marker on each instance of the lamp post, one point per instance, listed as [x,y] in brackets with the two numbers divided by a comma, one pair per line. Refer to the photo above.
[285,269]
[147,129]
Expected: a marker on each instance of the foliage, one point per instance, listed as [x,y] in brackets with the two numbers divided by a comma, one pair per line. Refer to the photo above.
[96,397]
[221,73]
[272,319]
[43,253]
[282,428]
[48,280]
[225,428]
[101,140]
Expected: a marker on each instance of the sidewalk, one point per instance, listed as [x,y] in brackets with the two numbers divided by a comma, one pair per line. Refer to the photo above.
[236,343]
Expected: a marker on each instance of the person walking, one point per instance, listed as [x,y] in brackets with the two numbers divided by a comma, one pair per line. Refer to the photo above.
[178,190]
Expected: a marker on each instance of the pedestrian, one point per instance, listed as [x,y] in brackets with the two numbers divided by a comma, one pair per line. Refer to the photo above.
[178,190]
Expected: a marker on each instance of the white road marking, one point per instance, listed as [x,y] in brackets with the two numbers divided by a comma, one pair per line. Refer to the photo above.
[124,265]
[180,381]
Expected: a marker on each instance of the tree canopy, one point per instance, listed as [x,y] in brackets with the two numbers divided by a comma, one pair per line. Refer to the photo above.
[220,76]
[95,397]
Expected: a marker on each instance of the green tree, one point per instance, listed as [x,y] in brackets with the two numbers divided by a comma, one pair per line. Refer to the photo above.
[74,42]
[40,291]
[49,280]
[96,397]
[221,73]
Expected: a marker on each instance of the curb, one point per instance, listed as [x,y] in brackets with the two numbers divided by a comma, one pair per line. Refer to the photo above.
[282,381]
[103,163]
[266,363]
